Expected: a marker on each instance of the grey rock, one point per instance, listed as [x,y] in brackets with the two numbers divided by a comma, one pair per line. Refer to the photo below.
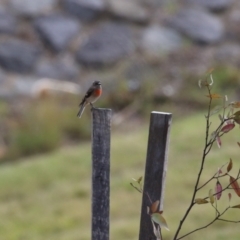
[18,56]
[57,31]
[199,25]
[63,68]
[32,8]
[213,5]
[109,43]
[129,9]
[160,41]
[85,10]
[7,22]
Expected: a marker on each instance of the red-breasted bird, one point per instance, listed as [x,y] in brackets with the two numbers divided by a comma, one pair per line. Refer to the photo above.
[93,93]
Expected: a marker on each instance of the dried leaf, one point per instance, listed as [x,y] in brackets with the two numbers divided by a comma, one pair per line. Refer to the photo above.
[211,197]
[235,185]
[201,201]
[139,180]
[214,96]
[156,231]
[235,104]
[219,142]
[236,206]
[228,127]
[154,206]
[218,190]
[159,219]
[229,167]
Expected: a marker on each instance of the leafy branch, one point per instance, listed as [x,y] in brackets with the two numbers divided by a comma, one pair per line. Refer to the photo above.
[228,117]
[227,123]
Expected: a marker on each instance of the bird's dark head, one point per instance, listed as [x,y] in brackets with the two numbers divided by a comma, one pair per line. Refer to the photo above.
[96,83]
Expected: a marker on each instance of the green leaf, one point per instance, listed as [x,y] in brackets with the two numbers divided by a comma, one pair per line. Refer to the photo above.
[159,219]
[201,201]
[211,196]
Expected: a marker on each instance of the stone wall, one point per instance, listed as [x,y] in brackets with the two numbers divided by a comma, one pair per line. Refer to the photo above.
[71,39]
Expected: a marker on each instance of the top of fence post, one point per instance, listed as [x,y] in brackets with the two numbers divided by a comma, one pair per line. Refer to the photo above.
[101,131]
[155,169]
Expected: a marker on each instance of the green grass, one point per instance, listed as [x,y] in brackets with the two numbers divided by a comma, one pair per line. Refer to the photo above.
[49,196]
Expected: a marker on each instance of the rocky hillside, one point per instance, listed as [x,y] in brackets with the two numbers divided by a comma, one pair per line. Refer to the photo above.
[77,40]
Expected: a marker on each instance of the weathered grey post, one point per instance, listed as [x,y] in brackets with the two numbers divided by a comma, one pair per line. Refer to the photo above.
[101,126]
[155,169]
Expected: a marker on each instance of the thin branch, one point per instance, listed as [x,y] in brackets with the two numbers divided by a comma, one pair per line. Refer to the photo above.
[207,225]
[201,168]
[139,190]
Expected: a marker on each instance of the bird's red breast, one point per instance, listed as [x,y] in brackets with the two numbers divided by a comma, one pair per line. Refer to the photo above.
[97,92]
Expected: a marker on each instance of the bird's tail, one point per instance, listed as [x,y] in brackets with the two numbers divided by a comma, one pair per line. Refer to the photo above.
[82,107]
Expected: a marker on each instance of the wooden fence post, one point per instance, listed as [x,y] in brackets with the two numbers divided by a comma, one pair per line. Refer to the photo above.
[101,128]
[155,169]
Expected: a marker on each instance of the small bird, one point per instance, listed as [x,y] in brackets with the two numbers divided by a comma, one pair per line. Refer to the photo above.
[93,93]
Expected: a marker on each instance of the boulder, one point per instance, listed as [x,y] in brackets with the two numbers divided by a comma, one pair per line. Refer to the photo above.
[159,41]
[85,10]
[30,8]
[57,31]
[7,22]
[108,44]
[213,5]
[18,56]
[129,9]
[200,26]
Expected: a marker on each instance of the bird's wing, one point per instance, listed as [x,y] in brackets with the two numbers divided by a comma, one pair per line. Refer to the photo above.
[87,95]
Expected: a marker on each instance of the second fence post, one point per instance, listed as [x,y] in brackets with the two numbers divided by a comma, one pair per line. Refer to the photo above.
[101,130]
[155,169]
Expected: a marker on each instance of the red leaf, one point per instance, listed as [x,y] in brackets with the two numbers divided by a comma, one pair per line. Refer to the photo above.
[228,127]
[235,185]
[218,190]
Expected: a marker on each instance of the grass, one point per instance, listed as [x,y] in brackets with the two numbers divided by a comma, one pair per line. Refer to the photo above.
[49,196]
